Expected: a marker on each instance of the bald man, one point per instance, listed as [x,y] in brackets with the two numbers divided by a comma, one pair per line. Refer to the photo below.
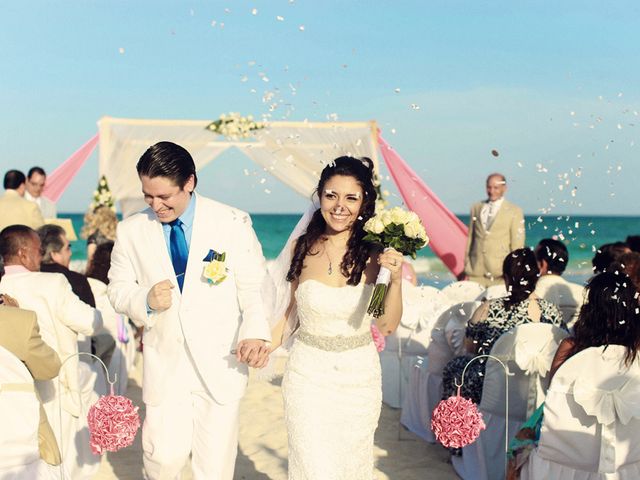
[496,227]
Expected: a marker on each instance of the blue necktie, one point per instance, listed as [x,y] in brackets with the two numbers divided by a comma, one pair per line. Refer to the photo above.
[179,251]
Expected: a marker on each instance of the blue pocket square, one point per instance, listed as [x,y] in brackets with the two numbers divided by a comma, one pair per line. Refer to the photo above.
[213,255]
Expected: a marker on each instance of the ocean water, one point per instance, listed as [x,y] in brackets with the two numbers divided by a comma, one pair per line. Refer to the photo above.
[582,235]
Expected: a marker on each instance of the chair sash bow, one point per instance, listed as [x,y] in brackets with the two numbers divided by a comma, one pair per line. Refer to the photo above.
[607,405]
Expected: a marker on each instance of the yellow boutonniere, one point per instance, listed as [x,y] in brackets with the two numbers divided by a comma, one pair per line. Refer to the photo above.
[215,270]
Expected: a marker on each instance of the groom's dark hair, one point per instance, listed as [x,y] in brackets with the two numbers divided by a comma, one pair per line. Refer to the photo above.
[167,159]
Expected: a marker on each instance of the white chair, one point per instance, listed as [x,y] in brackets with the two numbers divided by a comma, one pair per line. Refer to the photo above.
[19,420]
[591,426]
[421,308]
[527,351]
[462,291]
[425,384]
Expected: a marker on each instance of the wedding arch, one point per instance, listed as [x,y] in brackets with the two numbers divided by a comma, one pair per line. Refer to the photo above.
[293,152]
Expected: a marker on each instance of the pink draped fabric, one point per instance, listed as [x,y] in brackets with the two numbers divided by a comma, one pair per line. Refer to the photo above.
[60,178]
[447,234]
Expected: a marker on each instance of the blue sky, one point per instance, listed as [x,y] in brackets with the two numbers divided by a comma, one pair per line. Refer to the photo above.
[552,86]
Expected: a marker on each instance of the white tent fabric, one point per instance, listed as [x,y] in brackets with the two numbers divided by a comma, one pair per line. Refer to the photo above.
[294,152]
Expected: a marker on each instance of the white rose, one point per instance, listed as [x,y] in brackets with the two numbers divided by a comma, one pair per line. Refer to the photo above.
[399,216]
[412,230]
[386,217]
[374,225]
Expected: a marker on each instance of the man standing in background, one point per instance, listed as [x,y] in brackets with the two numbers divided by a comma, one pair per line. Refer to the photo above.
[14,209]
[496,228]
[36,179]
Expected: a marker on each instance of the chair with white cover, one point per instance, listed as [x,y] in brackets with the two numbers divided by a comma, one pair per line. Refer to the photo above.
[462,291]
[591,425]
[528,352]
[421,307]
[19,420]
[425,384]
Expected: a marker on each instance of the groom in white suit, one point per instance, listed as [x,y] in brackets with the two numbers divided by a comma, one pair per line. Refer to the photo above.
[190,269]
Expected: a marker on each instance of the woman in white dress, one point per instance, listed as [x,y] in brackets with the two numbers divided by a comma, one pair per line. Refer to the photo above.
[332,385]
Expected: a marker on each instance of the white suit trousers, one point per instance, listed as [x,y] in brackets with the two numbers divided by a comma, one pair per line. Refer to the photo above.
[188,421]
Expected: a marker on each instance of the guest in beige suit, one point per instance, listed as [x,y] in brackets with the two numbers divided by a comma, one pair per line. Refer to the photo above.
[19,334]
[14,208]
[496,228]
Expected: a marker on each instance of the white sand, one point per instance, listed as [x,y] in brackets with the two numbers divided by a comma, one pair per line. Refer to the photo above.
[262,455]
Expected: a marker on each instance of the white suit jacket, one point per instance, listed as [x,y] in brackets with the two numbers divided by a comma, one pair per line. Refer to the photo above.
[210,318]
[61,316]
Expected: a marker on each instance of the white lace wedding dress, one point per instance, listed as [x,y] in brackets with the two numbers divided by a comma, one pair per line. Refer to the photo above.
[332,385]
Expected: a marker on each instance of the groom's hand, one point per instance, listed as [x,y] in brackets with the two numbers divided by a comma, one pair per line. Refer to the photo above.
[253,352]
[159,297]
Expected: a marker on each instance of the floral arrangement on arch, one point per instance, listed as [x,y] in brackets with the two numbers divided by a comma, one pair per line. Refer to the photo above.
[234,126]
[102,196]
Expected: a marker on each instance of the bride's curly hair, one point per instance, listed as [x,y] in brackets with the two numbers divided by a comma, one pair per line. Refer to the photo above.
[358,251]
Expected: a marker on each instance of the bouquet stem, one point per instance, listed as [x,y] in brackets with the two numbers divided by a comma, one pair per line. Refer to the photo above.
[376,306]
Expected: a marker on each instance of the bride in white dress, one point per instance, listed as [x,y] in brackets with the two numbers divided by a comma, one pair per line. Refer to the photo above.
[332,385]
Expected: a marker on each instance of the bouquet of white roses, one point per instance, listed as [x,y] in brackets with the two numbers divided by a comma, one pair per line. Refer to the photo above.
[398,229]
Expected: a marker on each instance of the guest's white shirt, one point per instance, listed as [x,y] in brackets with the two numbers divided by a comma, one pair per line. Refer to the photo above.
[489,212]
[47,207]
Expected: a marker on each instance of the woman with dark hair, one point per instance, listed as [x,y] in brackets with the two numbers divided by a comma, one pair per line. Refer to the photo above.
[609,316]
[495,317]
[332,384]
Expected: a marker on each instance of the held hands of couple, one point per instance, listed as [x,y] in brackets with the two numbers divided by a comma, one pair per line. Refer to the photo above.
[392,260]
[253,352]
[159,297]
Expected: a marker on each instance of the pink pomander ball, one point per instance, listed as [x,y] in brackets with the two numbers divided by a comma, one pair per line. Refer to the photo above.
[378,338]
[113,424]
[456,422]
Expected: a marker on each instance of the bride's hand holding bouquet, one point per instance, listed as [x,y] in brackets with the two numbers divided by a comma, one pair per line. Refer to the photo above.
[395,230]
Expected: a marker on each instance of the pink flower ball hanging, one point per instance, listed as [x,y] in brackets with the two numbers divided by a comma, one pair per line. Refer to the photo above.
[378,338]
[113,424]
[456,422]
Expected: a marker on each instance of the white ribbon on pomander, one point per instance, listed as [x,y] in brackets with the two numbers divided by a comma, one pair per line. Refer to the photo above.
[607,406]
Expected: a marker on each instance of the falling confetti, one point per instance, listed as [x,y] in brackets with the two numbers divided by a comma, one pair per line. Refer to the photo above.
[280,18]
[415,106]
[121,50]
[397,90]
[495,153]
[301,28]
[254,11]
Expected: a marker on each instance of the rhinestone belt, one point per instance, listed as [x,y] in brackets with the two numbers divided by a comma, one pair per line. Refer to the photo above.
[337,343]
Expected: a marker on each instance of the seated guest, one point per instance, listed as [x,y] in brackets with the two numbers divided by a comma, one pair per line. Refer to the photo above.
[99,227]
[552,258]
[61,317]
[56,257]
[609,316]
[20,335]
[608,256]
[495,317]
[630,263]
[633,241]
[36,180]
[14,208]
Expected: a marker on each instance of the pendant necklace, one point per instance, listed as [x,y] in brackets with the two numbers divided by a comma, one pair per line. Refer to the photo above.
[330,269]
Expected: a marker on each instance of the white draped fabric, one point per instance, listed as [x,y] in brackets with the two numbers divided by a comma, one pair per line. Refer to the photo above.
[294,152]
[527,351]
[591,426]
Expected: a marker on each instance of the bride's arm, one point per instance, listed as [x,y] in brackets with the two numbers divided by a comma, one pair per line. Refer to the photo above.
[277,331]
[389,321]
